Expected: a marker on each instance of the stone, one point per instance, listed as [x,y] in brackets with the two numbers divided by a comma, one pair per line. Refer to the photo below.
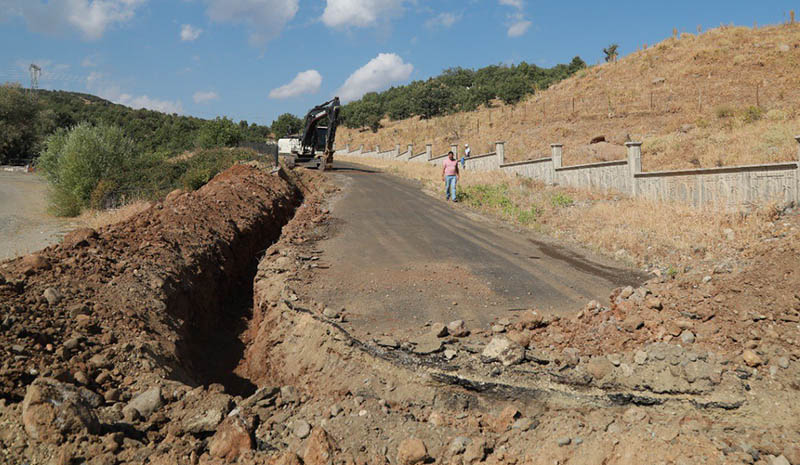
[783,362]
[458,445]
[426,344]
[659,80]
[599,367]
[439,329]
[147,402]
[503,350]
[457,328]
[654,303]
[263,396]
[475,451]
[565,441]
[640,357]
[233,437]
[288,458]
[632,323]
[525,424]
[386,341]
[751,358]
[319,448]
[330,313]
[81,378]
[301,429]
[72,343]
[336,409]
[411,451]
[205,421]
[780,460]
[497,329]
[626,292]
[784,47]
[34,262]
[687,337]
[79,238]
[52,296]
[52,409]
[706,279]
[522,338]
[450,354]
[507,418]
[615,359]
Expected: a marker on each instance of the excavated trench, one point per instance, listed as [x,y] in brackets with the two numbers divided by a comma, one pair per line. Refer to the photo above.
[214,298]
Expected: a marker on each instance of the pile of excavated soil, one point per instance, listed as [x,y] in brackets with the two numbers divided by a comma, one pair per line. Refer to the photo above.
[169,339]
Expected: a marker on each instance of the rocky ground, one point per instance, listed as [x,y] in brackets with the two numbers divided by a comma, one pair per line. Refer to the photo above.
[162,340]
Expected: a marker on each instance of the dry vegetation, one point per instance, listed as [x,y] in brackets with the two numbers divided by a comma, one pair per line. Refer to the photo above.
[728,96]
[628,229]
[96,219]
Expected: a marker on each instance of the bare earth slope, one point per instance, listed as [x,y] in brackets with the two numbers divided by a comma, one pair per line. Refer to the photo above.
[728,96]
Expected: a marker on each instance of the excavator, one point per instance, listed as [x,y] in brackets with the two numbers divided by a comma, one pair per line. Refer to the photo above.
[314,146]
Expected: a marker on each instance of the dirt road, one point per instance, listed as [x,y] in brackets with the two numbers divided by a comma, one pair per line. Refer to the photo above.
[25,225]
[402,258]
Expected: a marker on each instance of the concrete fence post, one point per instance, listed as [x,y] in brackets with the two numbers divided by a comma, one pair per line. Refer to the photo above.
[361,149]
[377,149]
[347,147]
[500,149]
[797,173]
[557,151]
[556,154]
[396,149]
[410,150]
[454,149]
[634,163]
[428,151]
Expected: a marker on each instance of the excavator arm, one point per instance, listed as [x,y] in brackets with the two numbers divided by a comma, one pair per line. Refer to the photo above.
[312,131]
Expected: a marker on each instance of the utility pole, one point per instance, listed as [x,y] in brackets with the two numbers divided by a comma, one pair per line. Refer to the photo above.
[35,71]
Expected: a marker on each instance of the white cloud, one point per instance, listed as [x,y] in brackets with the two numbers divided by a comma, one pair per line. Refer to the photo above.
[98,84]
[359,13]
[265,19]
[518,27]
[190,33]
[89,62]
[306,82]
[204,97]
[376,75]
[445,20]
[90,17]
[518,4]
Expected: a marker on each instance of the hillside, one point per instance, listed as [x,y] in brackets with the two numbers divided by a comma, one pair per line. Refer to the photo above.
[723,97]
[27,121]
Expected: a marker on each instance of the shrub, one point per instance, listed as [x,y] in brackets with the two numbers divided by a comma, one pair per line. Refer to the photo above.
[75,161]
[724,111]
[561,200]
[752,114]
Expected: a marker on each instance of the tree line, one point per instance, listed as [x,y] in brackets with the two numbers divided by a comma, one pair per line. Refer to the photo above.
[27,119]
[455,90]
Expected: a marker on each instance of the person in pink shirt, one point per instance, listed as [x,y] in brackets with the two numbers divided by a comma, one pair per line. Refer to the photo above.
[450,176]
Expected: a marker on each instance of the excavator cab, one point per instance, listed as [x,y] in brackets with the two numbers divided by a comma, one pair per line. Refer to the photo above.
[316,142]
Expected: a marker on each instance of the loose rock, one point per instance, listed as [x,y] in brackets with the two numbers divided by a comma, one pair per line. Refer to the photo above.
[52,409]
[501,349]
[411,451]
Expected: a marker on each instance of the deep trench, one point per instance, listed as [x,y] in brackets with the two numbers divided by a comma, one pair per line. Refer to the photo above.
[215,301]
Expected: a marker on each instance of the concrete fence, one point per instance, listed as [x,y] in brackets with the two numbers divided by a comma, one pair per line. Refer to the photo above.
[722,188]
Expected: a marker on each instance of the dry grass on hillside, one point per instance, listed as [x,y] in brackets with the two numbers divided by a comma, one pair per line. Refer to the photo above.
[98,218]
[728,96]
[613,225]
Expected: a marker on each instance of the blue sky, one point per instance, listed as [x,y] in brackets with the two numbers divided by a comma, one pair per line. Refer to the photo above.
[256,59]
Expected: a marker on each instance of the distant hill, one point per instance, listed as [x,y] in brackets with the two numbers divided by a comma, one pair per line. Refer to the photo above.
[25,121]
[727,96]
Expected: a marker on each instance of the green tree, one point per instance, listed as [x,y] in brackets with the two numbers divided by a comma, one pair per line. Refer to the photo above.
[19,130]
[611,53]
[78,161]
[286,124]
[513,88]
[219,132]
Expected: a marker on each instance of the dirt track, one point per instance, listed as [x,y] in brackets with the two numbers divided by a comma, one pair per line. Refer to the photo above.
[24,224]
[403,258]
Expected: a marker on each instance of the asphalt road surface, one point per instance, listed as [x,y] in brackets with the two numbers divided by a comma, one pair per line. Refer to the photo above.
[400,258]
[25,225]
